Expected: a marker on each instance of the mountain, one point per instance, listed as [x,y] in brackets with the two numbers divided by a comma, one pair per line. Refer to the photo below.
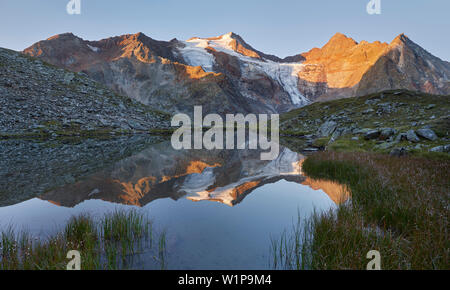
[345,68]
[171,76]
[225,74]
[38,99]
[405,65]
[232,41]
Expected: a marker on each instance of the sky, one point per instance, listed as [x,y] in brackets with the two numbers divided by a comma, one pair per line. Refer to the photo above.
[279,27]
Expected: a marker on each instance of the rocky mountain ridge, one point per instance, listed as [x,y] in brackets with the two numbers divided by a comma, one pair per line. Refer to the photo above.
[224,74]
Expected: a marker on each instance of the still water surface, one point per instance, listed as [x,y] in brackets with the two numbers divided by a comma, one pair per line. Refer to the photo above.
[219,208]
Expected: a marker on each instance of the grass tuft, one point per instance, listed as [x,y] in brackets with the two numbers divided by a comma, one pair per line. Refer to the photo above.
[399,207]
[107,243]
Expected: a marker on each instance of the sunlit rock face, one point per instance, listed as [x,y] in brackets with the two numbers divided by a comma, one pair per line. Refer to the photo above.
[224,74]
[345,68]
[405,65]
[336,68]
[141,68]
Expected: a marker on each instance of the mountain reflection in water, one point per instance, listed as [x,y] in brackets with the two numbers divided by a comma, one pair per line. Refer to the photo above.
[225,176]
[253,200]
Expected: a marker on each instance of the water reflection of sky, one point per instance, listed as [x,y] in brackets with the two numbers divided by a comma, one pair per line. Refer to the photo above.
[199,234]
[219,209]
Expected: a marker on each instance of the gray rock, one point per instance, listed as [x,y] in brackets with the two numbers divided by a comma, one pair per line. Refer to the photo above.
[94,192]
[368,111]
[400,137]
[372,134]
[336,134]
[341,132]
[418,146]
[68,178]
[68,77]
[327,129]
[359,131]
[402,151]
[124,126]
[371,101]
[437,149]
[347,131]
[311,149]
[442,148]
[387,132]
[384,145]
[412,137]
[135,125]
[427,134]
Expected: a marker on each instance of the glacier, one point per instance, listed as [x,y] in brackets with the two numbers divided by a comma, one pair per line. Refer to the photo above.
[195,53]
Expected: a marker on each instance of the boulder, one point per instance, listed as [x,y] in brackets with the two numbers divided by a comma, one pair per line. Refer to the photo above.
[384,145]
[402,151]
[418,146]
[427,134]
[412,137]
[310,149]
[360,131]
[437,149]
[135,125]
[368,111]
[442,148]
[400,137]
[68,77]
[341,132]
[387,132]
[327,129]
[372,134]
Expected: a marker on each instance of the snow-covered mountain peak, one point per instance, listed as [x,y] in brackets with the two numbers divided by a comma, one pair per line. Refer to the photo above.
[175,75]
[227,42]
[250,63]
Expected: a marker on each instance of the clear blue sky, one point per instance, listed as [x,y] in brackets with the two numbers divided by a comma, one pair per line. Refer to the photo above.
[280,27]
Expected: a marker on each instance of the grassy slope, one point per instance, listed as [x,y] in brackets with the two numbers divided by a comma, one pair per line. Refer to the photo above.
[409,106]
[399,206]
